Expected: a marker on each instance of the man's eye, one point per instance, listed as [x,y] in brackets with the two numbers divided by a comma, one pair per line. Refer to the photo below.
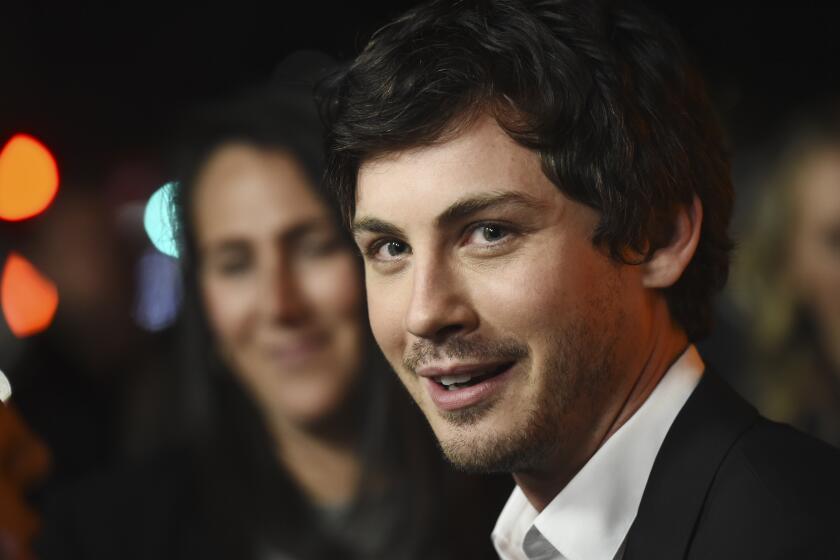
[389,250]
[487,234]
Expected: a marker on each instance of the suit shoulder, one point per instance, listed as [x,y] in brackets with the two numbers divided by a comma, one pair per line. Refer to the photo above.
[776,492]
[799,471]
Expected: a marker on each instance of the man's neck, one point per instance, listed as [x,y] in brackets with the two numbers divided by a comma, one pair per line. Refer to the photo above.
[541,485]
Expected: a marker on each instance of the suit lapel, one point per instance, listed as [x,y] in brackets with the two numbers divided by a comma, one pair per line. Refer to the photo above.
[704,431]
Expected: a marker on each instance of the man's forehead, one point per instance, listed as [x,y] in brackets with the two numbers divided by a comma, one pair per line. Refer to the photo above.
[424,181]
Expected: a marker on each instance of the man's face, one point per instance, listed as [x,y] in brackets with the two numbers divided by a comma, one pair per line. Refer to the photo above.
[506,324]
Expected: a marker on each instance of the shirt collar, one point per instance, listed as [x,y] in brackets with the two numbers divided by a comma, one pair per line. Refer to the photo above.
[592,515]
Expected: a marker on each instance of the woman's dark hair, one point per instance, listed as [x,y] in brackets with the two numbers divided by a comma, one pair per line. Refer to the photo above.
[246,492]
[600,89]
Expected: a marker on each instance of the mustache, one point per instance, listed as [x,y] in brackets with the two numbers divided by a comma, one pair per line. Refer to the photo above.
[423,352]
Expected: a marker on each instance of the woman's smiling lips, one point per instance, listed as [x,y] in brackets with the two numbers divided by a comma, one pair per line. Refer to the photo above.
[297,352]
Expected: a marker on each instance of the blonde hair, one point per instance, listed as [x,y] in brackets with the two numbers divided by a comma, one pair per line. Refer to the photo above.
[785,367]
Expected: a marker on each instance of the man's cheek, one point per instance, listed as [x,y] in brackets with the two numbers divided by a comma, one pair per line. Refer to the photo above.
[512,299]
[386,326]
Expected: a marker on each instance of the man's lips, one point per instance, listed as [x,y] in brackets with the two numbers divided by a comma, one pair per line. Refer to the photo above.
[457,386]
[435,372]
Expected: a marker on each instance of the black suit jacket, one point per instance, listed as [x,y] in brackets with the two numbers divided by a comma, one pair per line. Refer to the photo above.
[729,484]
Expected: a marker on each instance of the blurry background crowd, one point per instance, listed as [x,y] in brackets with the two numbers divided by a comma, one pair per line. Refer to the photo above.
[93,293]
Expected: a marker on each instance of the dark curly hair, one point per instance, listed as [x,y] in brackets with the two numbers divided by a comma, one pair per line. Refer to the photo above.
[601,90]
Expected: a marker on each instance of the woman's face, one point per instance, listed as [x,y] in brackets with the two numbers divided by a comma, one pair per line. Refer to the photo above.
[816,241]
[281,289]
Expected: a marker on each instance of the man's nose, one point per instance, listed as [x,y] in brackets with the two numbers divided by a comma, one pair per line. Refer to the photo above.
[439,307]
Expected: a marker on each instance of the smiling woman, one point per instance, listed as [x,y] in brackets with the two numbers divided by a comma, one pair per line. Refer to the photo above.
[281,288]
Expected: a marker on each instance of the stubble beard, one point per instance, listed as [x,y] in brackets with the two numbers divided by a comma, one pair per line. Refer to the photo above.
[576,372]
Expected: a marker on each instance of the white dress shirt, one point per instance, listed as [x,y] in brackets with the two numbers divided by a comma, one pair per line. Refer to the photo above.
[590,518]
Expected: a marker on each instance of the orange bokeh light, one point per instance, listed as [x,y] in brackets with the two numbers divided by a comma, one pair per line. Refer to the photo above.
[29,300]
[28,178]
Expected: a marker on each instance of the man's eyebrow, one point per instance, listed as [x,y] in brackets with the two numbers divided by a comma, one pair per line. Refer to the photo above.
[471,205]
[375,225]
[456,211]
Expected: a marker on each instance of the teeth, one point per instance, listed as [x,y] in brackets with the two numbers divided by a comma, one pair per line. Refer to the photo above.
[452,379]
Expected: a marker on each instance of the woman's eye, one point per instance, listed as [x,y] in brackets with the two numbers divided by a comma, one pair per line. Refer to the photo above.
[232,268]
[487,234]
[389,250]
[318,247]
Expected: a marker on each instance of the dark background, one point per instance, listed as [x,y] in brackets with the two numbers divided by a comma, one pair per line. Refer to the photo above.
[100,83]
[104,87]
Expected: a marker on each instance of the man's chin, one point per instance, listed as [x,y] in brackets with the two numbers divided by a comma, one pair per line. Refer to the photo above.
[478,447]
[489,457]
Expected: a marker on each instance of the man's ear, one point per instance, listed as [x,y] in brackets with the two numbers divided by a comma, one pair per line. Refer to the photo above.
[669,261]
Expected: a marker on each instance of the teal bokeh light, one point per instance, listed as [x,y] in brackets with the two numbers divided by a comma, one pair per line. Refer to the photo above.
[158,221]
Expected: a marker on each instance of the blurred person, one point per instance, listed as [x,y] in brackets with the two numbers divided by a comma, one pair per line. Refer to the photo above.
[787,283]
[301,445]
[542,197]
